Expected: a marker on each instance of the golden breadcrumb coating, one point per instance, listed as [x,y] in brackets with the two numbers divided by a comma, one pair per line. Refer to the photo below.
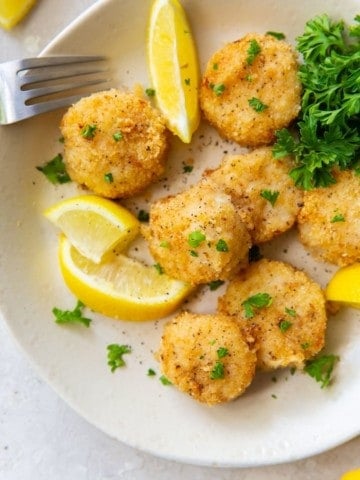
[291,328]
[120,166]
[329,222]
[193,346]
[262,191]
[233,77]
[197,236]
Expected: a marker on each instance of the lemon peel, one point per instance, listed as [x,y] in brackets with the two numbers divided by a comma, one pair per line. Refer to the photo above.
[120,287]
[344,286]
[13,11]
[94,225]
[173,67]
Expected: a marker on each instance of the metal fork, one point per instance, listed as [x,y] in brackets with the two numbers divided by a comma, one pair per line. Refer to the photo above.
[37,85]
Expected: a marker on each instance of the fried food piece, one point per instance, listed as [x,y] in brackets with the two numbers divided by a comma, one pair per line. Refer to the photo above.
[197,236]
[250,89]
[115,143]
[207,357]
[329,220]
[285,308]
[264,195]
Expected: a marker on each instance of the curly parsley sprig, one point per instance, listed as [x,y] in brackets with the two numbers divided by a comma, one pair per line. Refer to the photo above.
[329,122]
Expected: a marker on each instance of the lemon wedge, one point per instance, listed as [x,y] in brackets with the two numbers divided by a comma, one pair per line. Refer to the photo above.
[351,475]
[344,287]
[12,11]
[120,287]
[94,225]
[173,67]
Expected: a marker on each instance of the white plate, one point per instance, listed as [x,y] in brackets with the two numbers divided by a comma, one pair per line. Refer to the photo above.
[256,429]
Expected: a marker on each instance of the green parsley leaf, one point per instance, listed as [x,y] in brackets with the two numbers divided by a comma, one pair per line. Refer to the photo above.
[117,136]
[284,325]
[196,238]
[253,51]
[222,246]
[278,35]
[328,125]
[218,371]
[218,89]
[143,216]
[115,355]
[55,170]
[108,177]
[222,352]
[150,92]
[257,105]
[270,196]
[164,380]
[215,284]
[88,131]
[257,301]
[321,368]
[71,316]
[159,268]
[339,217]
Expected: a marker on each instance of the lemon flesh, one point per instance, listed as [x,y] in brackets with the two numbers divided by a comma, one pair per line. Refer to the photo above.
[94,225]
[344,287]
[12,11]
[173,67]
[352,475]
[121,287]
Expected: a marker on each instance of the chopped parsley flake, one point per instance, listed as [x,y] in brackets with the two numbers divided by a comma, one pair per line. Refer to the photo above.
[151,372]
[196,238]
[290,311]
[115,355]
[253,51]
[164,380]
[88,131]
[278,35]
[218,89]
[215,284]
[284,325]
[165,244]
[259,300]
[150,92]
[187,81]
[193,253]
[321,368]
[305,345]
[215,66]
[218,371]
[257,105]
[143,216]
[222,246]
[338,218]
[270,195]
[55,170]
[188,168]
[117,136]
[159,268]
[222,352]
[108,177]
[71,316]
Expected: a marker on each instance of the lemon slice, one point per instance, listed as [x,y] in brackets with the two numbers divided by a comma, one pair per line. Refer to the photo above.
[344,287]
[12,11]
[121,287]
[94,225]
[351,475]
[173,67]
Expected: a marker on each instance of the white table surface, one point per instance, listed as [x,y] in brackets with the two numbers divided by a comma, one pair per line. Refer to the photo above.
[41,438]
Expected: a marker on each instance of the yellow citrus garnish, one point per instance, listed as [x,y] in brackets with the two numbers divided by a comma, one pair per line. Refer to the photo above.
[173,67]
[120,287]
[12,11]
[351,475]
[344,287]
[94,225]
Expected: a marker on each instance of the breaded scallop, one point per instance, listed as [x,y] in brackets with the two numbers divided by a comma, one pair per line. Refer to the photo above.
[207,357]
[262,191]
[197,236]
[329,222]
[250,89]
[285,309]
[115,143]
